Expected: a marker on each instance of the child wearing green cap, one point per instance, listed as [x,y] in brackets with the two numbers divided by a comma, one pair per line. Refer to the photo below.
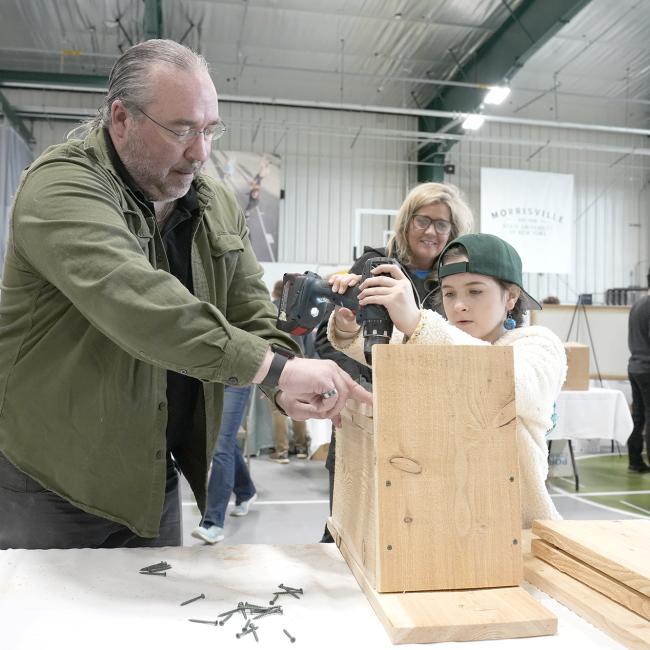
[484,302]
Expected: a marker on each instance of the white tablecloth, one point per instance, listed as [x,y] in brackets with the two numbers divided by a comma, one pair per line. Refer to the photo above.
[594,413]
[81,599]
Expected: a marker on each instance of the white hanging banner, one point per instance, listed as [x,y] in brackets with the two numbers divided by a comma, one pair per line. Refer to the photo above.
[533,211]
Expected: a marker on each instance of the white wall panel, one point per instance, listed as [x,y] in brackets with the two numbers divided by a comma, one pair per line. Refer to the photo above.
[612,202]
[325,178]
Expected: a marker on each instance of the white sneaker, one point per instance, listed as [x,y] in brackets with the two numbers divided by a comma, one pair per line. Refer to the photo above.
[242,509]
[210,535]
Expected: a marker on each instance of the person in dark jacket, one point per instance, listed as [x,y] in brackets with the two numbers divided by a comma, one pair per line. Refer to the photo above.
[638,370]
[431,215]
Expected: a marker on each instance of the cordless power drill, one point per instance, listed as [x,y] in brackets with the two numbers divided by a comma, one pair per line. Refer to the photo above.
[307,300]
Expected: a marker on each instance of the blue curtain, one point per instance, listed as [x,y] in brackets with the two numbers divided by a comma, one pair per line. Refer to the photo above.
[14,157]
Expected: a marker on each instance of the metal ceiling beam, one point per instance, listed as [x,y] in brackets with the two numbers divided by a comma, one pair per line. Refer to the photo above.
[15,120]
[496,61]
[153,22]
[84,82]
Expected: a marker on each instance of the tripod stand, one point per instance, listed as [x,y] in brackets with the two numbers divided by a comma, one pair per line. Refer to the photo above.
[577,311]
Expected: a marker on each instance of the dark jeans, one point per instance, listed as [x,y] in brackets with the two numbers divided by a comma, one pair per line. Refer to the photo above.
[640,416]
[229,472]
[32,517]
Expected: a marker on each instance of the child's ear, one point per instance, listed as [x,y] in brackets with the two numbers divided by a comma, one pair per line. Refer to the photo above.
[513,295]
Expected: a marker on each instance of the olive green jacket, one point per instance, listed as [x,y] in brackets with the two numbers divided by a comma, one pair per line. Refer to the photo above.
[90,321]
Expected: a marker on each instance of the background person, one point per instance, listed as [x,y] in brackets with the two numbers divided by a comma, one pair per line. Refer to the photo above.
[484,303]
[229,472]
[638,369]
[431,215]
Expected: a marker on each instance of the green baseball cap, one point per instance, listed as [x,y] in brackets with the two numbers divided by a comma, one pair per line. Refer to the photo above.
[488,255]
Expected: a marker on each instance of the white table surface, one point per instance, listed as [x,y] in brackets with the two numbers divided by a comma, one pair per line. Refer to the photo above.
[97,599]
[594,413]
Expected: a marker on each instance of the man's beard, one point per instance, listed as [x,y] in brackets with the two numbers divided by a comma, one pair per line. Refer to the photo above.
[156,185]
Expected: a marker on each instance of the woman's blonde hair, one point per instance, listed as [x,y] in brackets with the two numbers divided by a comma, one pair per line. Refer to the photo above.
[462,220]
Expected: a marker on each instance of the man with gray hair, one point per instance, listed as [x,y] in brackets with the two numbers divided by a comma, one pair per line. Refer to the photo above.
[131,295]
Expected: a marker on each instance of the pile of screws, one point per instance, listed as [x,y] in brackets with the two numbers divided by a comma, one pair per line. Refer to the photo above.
[286,591]
[255,612]
[159,569]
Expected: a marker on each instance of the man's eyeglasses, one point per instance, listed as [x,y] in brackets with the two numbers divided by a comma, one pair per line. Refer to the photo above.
[210,133]
[441,226]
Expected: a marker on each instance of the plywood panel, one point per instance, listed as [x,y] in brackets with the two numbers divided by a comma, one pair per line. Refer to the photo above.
[468,615]
[354,508]
[592,578]
[449,512]
[617,548]
[620,623]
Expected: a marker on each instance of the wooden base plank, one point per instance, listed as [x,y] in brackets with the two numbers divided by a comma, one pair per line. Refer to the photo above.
[613,619]
[618,548]
[464,615]
[591,577]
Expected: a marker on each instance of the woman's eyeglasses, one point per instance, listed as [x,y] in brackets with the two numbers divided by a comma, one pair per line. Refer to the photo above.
[441,226]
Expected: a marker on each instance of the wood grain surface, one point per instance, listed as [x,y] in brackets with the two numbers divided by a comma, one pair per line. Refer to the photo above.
[623,625]
[617,548]
[466,615]
[593,578]
[447,476]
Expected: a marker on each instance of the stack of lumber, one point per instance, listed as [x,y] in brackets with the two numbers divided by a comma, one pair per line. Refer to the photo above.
[598,569]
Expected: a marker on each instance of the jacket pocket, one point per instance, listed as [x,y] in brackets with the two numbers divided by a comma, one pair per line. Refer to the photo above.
[225,244]
[225,251]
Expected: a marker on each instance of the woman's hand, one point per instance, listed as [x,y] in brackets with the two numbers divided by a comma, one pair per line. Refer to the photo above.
[344,319]
[395,293]
[341,281]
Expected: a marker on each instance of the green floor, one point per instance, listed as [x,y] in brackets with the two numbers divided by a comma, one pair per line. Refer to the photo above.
[605,479]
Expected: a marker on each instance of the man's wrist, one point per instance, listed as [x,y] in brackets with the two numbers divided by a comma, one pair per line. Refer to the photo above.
[263,370]
[280,357]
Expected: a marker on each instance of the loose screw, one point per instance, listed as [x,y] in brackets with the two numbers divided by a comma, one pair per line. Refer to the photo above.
[291,638]
[277,595]
[247,629]
[223,621]
[152,573]
[253,606]
[198,620]
[273,610]
[298,590]
[193,600]
[153,568]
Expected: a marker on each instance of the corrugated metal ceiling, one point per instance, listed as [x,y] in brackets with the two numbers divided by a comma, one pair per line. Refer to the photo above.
[368,52]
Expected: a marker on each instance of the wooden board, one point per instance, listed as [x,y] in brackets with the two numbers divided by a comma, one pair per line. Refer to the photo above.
[354,507]
[618,622]
[618,549]
[592,577]
[448,504]
[467,615]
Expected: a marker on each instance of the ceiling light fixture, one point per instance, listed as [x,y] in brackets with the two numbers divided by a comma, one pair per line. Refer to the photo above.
[496,95]
[473,121]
